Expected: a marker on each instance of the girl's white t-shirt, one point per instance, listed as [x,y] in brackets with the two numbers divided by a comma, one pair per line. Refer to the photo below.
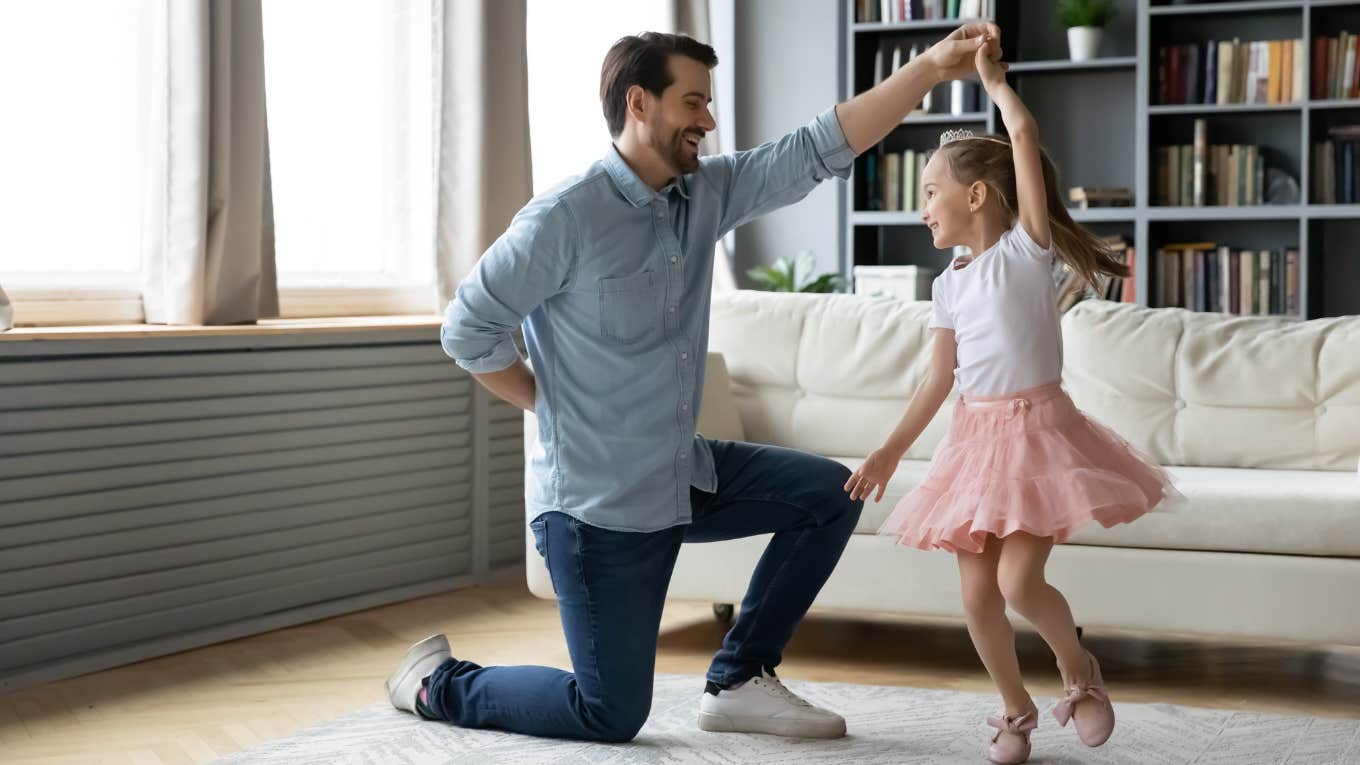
[1003,308]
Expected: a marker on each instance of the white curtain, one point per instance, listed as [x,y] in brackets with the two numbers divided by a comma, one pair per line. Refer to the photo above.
[484,170]
[694,18]
[209,225]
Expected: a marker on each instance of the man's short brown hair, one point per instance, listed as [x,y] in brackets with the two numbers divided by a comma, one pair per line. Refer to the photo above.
[642,60]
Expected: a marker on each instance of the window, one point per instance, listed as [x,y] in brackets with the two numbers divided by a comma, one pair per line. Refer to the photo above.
[566,47]
[70,211]
[350,87]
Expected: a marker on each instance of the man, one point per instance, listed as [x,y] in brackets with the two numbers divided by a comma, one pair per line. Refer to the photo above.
[609,274]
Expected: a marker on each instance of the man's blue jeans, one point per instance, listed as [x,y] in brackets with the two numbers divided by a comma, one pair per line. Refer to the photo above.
[611,586]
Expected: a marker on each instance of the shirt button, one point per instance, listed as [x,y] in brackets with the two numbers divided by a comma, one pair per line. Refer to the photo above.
[673,258]
[672,309]
[685,407]
[683,456]
[683,355]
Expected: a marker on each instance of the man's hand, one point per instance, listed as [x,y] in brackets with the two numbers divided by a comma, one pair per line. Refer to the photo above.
[955,57]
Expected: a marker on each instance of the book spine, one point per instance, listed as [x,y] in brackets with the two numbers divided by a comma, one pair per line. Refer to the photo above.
[1235,282]
[1291,288]
[1225,70]
[1201,149]
[1263,283]
[1163,76]
[1319,72]
[1210,72]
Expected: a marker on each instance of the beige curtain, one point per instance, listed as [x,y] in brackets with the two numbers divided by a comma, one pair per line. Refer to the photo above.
[693,18]
[6,312]
[484,171]
[209,226]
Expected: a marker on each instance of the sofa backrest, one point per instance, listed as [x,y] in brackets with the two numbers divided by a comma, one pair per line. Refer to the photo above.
[832,374]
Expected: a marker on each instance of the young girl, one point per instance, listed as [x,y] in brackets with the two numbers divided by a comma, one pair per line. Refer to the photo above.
[1022,468]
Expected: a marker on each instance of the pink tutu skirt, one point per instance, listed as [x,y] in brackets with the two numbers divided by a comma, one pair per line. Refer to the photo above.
[1029,461]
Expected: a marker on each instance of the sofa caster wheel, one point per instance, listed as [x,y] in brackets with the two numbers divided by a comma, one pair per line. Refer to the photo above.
[723,612]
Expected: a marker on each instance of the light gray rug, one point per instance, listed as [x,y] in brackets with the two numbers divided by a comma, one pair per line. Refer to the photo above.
[886,725]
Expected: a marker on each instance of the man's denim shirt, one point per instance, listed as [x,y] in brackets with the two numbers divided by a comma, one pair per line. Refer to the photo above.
[611,282]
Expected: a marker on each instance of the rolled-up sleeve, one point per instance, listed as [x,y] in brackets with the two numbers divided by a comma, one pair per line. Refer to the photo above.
[532,261]
[779,173]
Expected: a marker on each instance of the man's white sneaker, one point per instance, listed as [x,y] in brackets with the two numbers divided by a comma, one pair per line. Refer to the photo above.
[419,663]
[764,705]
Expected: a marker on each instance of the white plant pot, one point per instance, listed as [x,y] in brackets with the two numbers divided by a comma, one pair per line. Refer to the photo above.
[1083,42]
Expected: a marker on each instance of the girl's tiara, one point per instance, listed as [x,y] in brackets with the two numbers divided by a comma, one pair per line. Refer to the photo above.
[964,134]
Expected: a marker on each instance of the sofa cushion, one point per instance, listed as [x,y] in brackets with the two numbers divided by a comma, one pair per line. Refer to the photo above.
[829,374]
[1289,512]
[832,374]
[1218,390]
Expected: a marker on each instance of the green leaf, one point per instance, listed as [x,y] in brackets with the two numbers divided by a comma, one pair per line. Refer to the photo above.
[1085,13]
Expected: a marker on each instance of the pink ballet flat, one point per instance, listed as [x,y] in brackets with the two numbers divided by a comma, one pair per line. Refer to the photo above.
[1014,749]
[1088,705]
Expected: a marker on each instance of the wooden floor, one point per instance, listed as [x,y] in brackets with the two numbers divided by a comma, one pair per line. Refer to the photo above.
[195,706]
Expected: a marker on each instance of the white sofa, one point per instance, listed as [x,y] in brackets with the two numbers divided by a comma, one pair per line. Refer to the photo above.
[1259,419]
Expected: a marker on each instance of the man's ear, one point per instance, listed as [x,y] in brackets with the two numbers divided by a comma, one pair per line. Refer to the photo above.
[638,102]
[977,196]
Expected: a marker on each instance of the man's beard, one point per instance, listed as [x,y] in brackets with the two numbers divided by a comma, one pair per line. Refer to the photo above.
[679,152]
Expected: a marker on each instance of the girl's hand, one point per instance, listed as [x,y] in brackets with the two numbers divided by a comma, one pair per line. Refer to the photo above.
[877,469]
[990,68]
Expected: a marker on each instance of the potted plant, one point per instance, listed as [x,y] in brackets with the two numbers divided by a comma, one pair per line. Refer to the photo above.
[794,275]
[1085,21]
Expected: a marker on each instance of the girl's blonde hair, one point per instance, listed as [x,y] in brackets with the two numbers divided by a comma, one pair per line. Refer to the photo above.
[988,159]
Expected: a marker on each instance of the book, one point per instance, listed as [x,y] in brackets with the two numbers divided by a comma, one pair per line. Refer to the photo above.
[1173,175]
[1201,292]
[1130,292]
[1291,289]
[1275,57]
[1163,75]
[909,179]
[1263,283]
[1200,152]
[1258,176]
[1347,75]
[1188,278]
[1300,61]
[1192,93]
[871,188]
[1355,69]
[1262,72]
[1286,71]
[892,182]
[1223,282]
[1253,66]
[1247,282]
[1226,67]
[1210,72]
[1187,180]
[1234,282]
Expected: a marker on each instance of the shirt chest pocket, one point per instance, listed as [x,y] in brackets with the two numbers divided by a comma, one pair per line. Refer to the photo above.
[630,307]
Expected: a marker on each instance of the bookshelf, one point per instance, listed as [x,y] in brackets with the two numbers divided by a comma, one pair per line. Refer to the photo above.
[1102,123]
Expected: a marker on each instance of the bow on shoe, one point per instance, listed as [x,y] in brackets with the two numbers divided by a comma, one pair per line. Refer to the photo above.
[1017,724]
[1063,711]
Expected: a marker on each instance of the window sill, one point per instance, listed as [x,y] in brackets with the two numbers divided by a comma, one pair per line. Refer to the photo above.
[85,310]
[263,327]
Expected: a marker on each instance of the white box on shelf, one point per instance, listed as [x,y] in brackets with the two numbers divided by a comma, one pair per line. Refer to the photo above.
[901,282]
